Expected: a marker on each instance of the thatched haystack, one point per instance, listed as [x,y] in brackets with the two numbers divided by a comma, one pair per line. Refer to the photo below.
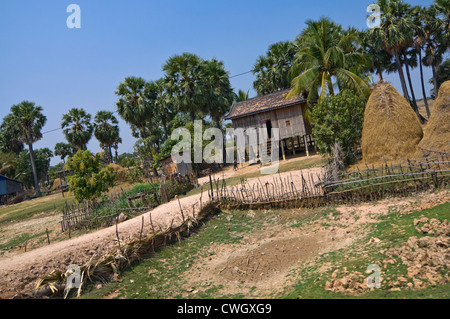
[391,129]
[436,138]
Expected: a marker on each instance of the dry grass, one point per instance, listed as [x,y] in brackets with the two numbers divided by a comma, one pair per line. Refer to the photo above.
[391,129]
[437,132]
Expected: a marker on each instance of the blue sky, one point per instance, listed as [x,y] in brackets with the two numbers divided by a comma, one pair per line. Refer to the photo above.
[43,61]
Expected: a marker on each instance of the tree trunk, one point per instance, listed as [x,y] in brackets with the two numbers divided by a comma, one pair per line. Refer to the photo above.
[402,78]
[193,116]
[110,154]
[380,75]
[423,84]
[33,168]
[435,83]
[414,103]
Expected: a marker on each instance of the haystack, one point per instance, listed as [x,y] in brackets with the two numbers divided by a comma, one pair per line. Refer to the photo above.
[391,129]
[436,139]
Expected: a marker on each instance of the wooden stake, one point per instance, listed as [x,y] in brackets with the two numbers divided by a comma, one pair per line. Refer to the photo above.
[48,237]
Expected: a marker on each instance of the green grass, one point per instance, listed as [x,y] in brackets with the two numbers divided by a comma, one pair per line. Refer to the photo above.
[20,240]
[28,209]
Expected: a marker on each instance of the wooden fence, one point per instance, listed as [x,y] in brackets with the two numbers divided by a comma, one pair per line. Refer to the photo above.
[92,214]
[315,190]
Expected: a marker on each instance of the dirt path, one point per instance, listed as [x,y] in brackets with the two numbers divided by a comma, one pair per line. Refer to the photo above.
[18,273]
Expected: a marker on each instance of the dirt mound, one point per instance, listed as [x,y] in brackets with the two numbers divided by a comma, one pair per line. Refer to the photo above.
[391,129]
[349,283]
[437,132]
[269,259]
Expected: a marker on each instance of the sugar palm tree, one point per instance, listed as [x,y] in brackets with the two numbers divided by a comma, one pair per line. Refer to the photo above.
[132,105]
[64,150]
[163,105]
[29,120]
[395,33]
[325,55]
[217,89]
[77,127]
[183,79]
[106,130]
[272,69]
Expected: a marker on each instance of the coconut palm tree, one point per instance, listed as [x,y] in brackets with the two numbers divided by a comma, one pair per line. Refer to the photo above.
[183,80]
[242,96]
[325,55]
[272,70]
[77,127]
[29,121]
[106,130]
[132,105]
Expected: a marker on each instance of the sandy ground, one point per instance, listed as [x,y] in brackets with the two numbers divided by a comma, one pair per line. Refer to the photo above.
[18,273]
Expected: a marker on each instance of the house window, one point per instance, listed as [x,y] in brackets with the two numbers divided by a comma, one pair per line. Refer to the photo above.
[288,123]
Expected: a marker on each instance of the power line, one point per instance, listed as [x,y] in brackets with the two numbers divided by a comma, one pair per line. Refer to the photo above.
[56,129]
[234,76]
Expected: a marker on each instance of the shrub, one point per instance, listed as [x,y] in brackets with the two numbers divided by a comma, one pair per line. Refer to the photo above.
[89,179]
[339,119]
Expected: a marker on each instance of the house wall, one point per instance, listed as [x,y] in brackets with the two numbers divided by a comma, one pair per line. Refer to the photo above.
[9,187]
[289,120]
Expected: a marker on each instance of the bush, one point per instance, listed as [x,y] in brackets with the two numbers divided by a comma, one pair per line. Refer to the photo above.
[339,119]
[89,179]
[135,175]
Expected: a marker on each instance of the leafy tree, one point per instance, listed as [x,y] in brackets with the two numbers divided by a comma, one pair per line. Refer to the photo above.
[272,70]
[326,55]
[64,150]
[340,119]
[89,180]
[442,75]
[106,131]
[77,127]
[27,121]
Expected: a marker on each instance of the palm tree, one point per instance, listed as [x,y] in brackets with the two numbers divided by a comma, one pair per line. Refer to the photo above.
[10,136]
[326,53]
[64,150]
[106,130]
[217,89]
[394,33]
[77,127]
[163,105]
[132,105]
[29,120]
[272,70]
[436,29]
[418,16]
[242,96]
[183,79]
[378,58]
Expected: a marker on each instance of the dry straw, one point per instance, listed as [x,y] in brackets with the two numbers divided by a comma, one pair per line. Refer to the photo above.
[437,132]
[391,129]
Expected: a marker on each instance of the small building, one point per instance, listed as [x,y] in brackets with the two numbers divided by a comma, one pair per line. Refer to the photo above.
[9,187]
[171,168]
[274,111]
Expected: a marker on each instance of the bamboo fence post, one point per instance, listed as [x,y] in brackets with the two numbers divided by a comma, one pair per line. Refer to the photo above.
[48,237]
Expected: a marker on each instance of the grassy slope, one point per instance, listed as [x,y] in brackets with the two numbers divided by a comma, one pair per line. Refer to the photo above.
[161,276]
